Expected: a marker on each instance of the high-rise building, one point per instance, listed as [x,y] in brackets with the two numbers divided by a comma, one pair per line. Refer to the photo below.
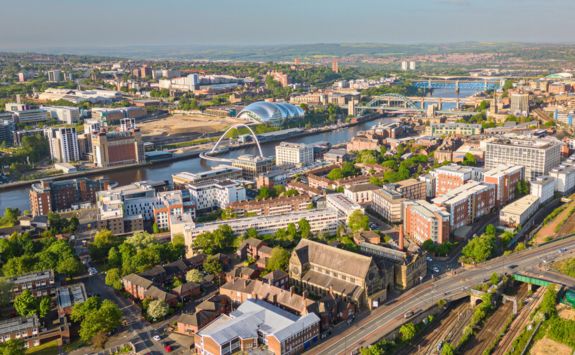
[7,128]
[334,65]
[117,148]
[54,76]
[520,104]
[296,154]
[21,77]
[404,65]
[537,155]
[63,144]
[412,65]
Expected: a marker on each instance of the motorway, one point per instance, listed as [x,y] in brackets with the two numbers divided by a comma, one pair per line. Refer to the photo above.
[449,287]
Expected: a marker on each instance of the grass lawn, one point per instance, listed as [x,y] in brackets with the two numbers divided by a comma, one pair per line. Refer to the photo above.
[48,348]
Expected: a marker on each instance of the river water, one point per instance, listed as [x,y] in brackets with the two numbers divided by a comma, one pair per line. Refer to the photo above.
[18,198]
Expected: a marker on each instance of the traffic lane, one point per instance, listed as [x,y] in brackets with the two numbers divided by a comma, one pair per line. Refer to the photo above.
[468,277]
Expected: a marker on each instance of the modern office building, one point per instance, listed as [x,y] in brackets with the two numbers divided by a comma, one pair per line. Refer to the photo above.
[171,204]
[506,178]
[48,196]
[112,148]
[70,115]
[30,116]
[54,76]
[7,128]
[423,221]
[63,144]
[538,155]
[252,166]
[294,154]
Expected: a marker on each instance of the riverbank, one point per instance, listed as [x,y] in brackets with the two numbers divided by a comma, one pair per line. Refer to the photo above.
[181,156]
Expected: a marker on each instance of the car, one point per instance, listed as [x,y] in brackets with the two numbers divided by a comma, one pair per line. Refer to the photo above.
[435,269]
[92,271]
[168,348]
[156,338]
[408,314]
[511,267]
[428,258]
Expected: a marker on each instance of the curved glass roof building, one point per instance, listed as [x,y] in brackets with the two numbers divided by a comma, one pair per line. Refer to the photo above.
[271,112]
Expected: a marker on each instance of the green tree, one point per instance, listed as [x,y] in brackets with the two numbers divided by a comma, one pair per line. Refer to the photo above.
[5,292]
[549,301]
[81,310]
[213,265]
[479,249]
[447,349]
[490,229]
[10,217]
[114,257]
[278,260]
[407,331]
[113,278]
[264,193]
[335,174]
[103,241]
[101,321]
[12,347]
[25,304]
[44,306]
[469,160]
[194,275]
[155,228]
[358,221]
[304,228]
[157,309]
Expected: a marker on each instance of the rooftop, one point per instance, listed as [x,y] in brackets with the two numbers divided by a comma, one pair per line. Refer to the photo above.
[521,205]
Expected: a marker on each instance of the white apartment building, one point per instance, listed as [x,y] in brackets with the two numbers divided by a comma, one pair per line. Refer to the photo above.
[360,193]
[220,172]
[320,220]
[185,83]
[520,104]
[217,194]
[538,155]
[343,205]
[63,144]
[66,114]
[171,204]
[388,204]
[543,187]
[564,178]
[453,129]
[295,154]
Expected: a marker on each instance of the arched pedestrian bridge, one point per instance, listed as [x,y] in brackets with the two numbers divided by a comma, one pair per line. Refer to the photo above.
[208,156]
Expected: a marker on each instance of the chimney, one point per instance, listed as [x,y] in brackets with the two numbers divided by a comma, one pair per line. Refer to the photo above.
[292,290]
[245,283]
[254,295]
[401,238]
[275,299]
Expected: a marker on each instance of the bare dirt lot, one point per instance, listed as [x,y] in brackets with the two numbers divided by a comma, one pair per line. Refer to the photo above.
[547,346]
[566,312]
[179,124]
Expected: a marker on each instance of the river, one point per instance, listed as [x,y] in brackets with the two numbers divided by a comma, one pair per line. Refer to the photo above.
[18,198]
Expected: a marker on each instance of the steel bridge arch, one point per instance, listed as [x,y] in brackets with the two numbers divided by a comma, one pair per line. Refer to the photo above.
[237,125]
[374,102]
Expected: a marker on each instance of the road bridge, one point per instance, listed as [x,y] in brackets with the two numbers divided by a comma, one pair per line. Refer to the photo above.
[385,319]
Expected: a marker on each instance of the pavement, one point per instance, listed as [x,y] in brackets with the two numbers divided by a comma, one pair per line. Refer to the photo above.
[449,287]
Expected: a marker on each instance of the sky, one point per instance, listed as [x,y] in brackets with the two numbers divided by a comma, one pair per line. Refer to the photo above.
[37,24]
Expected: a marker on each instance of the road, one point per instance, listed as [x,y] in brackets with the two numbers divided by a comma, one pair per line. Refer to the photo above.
[387,318]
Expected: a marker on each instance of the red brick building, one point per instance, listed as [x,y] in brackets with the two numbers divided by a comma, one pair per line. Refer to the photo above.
[424,221]
[505,178]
